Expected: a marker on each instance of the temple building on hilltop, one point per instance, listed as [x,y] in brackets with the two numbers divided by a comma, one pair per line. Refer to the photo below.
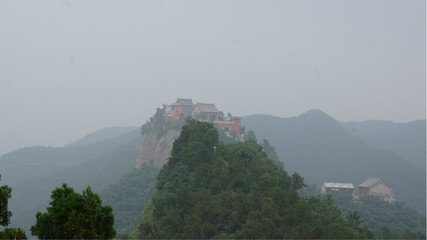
[181,109]
[207,112]
[204,112]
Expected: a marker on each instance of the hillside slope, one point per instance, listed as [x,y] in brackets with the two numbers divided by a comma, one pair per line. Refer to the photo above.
[321,149]
[408,140]
[101,135]
[27,163]
[129,196]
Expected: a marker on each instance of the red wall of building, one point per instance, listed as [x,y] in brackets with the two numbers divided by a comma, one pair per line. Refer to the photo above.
[233,126]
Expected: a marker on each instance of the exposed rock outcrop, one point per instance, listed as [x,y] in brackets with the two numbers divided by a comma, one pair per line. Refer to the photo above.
[156,148]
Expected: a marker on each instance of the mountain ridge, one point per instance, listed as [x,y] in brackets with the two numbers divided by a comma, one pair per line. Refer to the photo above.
[29,162]
[324,151]
[313,128]
[101,135]
[408,139]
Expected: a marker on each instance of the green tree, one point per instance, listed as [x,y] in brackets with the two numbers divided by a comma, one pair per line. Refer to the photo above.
[355,217]
[5,214]
[251,136]
[271,152]
[13,233]
[129,196]
[73,215]
[386,233]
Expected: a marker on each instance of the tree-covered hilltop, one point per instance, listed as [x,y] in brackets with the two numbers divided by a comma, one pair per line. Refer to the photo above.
[211,190]
[158,124]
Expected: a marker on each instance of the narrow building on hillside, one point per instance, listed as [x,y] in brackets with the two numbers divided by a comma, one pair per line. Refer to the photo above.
[337,187]
[231,126]
[378,188]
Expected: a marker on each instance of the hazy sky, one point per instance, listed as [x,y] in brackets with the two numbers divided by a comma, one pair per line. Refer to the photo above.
[70,67]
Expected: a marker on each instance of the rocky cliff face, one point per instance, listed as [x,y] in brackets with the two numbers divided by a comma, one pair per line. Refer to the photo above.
[156,148]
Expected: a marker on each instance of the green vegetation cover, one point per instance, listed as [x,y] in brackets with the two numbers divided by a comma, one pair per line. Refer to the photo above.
[72,215]
[130,195]
[211,190]
[391,220]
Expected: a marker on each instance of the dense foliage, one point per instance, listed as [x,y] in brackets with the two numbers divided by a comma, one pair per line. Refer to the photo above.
[72,215]
[211,190]
[13,233]
[271,153]
[129,196]
[5,194]
[392,220]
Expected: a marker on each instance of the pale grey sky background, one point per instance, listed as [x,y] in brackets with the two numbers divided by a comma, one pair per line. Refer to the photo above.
[70,67]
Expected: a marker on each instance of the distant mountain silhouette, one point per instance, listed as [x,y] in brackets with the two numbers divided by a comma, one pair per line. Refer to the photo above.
[408,140]
[34,172]
[29,162]
[101,135]
[320,149]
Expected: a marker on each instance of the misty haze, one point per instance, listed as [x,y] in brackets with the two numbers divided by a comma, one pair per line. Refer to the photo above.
[213,119]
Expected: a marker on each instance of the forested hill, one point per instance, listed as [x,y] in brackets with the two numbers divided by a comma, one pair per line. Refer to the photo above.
[33,172]
[29,162]
[211,190]
[322,150]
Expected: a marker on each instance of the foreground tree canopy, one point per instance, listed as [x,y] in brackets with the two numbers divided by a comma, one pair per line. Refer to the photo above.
[5,194]
[211,190]
[5,214]
[73,215]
